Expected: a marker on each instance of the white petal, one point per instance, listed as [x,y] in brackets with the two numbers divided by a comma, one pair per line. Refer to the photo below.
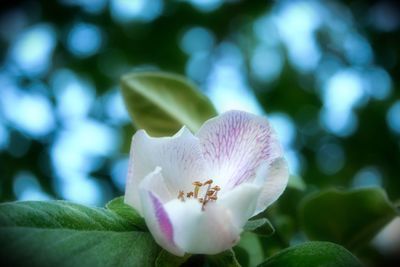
[273,178]
[241,202]
[202,232]
[180,158]
[234,144]
[155,183]
[155,215]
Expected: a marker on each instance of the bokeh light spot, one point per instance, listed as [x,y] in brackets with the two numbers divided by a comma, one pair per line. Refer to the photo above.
[206,5]
[393,117]
[330,158]
[33,48]
[27,187]
[84,40]
[30,112]
[284,127]
[197,39]
[72,91]
[266,63]
[119,170]
[124,11]
[367,177]
[90,6]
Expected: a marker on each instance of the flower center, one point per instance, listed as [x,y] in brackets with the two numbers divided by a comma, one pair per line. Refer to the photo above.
[210,194]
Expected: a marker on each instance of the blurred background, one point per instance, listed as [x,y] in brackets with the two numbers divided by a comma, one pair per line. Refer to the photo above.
[325,72]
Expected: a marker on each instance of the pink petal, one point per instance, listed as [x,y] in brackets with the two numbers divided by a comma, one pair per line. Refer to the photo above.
[234,145]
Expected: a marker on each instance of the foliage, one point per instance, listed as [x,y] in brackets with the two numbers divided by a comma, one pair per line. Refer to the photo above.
[313,254]
[261,227]
[350,218]
[162,103]
[60,233]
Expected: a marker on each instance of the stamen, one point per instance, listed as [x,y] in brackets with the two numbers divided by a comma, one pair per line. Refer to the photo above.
[209,195]
[204,204]
[213,198]
[216,188]
[197,186]
[208,187]
[181,195]
[209,182]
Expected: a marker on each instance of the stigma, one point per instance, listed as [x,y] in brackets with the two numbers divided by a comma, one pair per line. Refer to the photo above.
[204,192]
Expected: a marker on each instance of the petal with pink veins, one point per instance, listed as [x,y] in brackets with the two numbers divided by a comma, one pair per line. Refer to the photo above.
[234,145]
[273,177]
[179,156]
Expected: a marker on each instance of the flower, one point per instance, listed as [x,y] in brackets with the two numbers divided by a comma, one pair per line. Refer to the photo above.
[196,192]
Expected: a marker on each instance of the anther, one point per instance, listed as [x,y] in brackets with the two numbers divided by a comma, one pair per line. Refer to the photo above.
[216,188]
[196,188]
[181,195]
[210,193]
[208,182]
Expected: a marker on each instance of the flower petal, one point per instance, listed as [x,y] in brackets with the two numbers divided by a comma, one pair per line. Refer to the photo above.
[179,156]
[155,215]
[241,202]
[234,144]
[202,232]
[273,178]
[155,183]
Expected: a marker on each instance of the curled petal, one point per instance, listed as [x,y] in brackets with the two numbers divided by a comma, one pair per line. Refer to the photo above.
[202,232]
[273,177]
[234,145]
[155,215]
[179,156]
[155,183]
[241,202]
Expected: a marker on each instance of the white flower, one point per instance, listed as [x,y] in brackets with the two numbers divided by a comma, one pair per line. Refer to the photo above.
[196,192]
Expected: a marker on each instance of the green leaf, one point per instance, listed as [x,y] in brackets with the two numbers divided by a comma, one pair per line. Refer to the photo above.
[226,259]
[313,254]
[161,103]
[251,244]
[118,206]
[166,259]
[348,218]
[296,182]
[59,233]
[242,256]
[261,227]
